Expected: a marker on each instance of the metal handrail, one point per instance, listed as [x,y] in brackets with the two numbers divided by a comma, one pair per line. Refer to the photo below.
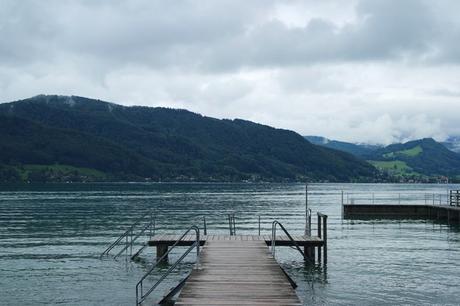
[308,223]
[133,239]
[232,224]
[274,224]
[125,234]
[140,296]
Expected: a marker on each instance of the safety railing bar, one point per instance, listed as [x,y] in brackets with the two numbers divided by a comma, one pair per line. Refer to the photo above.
[197,242]
[114,244]
[133,239]
[274,224]
[169,251]
[139,251]
[144,296]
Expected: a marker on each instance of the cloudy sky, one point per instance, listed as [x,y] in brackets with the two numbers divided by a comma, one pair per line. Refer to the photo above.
[365,71]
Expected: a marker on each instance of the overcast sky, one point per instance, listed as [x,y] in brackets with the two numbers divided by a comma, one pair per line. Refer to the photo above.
[364,71]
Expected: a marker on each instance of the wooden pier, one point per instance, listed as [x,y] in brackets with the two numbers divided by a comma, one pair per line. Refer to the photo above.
[230,269]
[162,242]
[234,269]
[406,211]
[239,271]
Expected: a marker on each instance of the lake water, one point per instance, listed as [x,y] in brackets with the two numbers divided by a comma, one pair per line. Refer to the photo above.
[51,237]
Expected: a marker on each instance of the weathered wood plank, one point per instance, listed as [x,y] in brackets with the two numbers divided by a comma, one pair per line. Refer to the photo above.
[281,240]
[237,272]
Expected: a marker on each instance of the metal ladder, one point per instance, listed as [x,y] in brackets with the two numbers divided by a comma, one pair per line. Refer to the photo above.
[144,224]
[140,295]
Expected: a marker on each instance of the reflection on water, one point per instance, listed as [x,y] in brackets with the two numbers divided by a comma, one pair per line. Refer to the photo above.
[52,235]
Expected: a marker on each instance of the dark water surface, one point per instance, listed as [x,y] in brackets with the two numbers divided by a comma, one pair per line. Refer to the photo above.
[51,237]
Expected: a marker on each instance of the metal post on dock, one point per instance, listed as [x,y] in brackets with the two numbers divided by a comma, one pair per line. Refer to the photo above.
[131,244]
[204,226]
[306,209]
[230,224]
[259,225]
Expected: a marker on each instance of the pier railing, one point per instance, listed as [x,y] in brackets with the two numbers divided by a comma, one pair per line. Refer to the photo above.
[454,198]
[140,295]
[141,227]
[276,224]
[396,198]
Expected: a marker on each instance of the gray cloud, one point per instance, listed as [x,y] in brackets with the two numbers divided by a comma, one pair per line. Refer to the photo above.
[370,70]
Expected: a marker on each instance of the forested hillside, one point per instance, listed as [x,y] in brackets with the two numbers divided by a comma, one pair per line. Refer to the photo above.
[138,143]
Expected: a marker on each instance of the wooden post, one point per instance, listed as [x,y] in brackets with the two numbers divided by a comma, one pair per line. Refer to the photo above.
[161,250]
[325,238]
[309,253]
[319,235]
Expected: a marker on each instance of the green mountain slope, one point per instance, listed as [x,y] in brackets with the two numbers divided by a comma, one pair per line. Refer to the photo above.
[424,156]
[27,142]
[161,143]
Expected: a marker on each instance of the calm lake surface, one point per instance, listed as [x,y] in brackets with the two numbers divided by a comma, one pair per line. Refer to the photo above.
[51,237]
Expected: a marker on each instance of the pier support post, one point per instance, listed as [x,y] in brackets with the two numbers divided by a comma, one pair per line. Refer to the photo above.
[319,235]
[161,250]
[325,238]
[309,253]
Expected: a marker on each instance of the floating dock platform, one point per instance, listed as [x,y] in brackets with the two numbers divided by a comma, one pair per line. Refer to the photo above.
[447,213]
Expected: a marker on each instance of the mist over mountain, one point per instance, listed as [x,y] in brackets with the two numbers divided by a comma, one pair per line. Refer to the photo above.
[359,150]
[136,143]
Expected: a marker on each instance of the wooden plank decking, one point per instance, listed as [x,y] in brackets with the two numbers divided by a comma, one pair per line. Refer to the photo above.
[237,271]
[280,239]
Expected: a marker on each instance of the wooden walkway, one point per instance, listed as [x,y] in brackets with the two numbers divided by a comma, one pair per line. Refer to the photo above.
[239,271]
[281,240]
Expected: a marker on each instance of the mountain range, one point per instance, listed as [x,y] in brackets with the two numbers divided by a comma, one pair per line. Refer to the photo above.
[56,138]
[423,157]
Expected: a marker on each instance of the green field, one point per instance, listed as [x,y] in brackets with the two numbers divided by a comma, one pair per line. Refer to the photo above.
[409,152]
[395,167]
